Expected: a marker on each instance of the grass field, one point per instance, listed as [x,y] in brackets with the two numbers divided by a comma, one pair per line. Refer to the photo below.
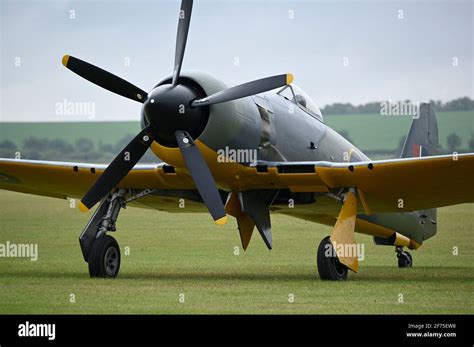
[173,254]
[368,132]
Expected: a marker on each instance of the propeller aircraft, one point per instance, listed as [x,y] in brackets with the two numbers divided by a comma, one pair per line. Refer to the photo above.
[190,117]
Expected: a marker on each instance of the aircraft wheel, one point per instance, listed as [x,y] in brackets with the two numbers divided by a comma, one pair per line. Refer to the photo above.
[405,259]
[329,267]
[104,258]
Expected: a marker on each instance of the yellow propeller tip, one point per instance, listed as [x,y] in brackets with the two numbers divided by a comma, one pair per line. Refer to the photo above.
[221,221]
[82,207]
[289,78]
[65,60]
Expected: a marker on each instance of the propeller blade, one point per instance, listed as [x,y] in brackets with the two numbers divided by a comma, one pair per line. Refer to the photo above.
[182,36]
[202,176]
[246,89]
[118,169]
[104,79]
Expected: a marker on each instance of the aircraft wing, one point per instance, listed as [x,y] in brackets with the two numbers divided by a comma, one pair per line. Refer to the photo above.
[63,180]
[395,185]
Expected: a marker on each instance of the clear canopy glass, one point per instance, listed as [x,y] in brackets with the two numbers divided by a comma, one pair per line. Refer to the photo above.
[298,96]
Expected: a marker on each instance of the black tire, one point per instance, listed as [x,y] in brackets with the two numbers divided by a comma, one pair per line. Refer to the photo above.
[329,267]
[405,260]
[104,258]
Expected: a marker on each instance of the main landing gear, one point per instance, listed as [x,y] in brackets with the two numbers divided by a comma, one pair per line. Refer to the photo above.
[104,259]
[102,251]
[404,258]
[329,267]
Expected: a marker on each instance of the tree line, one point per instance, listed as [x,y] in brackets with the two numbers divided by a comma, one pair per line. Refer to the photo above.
[459,104]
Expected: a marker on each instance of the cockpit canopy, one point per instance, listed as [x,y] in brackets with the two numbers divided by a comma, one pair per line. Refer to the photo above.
[298,96]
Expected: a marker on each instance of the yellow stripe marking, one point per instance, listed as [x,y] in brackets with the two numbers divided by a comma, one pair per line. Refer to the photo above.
[289,78]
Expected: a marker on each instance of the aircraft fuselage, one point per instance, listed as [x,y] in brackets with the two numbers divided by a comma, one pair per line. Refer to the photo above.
[274,128]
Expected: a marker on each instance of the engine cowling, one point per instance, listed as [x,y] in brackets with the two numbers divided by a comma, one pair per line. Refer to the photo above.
[229,125]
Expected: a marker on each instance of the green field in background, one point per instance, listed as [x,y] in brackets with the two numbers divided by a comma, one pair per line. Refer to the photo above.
[173,254]
[98,132]
[368,132]
[376,132]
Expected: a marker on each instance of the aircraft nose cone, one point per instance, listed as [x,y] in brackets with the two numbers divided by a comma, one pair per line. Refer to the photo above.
[169,109]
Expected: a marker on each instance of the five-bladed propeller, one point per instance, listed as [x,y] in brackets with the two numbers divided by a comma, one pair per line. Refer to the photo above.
[164,123]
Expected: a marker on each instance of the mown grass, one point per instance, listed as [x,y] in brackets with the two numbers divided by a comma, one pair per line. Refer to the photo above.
[173,254]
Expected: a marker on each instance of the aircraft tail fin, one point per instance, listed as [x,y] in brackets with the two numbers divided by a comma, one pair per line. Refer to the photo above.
[421,141]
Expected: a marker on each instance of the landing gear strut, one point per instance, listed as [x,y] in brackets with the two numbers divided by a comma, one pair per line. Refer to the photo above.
[102,251]
[404,258]
[329,267]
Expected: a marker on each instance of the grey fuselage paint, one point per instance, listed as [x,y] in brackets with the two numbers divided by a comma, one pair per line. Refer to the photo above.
[295,135]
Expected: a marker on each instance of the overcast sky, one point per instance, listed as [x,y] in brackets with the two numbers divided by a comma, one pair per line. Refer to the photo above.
[389,58]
